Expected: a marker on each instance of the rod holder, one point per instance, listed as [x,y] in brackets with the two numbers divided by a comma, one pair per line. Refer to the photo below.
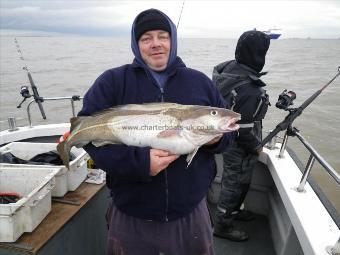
[271,143]
[310,163]
[283,146]
[12,124]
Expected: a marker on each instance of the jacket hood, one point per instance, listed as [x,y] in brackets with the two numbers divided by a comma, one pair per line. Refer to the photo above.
[231,72]
[173,37]
[251,49]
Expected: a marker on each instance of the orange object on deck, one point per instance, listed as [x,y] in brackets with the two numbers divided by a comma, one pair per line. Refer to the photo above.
[64,136]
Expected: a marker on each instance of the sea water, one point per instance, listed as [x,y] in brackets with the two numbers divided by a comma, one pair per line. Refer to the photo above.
[66,66]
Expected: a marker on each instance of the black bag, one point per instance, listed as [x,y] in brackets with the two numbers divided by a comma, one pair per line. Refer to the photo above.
[46,158]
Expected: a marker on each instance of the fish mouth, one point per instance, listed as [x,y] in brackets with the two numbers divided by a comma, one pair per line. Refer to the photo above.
[229,125]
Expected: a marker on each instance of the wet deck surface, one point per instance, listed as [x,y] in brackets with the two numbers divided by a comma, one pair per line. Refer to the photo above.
[259,242]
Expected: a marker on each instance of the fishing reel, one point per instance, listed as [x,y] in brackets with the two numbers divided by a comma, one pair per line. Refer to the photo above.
[25,93]
[285,99]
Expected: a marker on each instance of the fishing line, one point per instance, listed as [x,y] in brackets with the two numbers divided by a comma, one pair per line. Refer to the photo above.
[21,54]
[24,90]
[331,79]
[180,15]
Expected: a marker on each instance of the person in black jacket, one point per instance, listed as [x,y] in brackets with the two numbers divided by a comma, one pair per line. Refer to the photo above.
[239,83]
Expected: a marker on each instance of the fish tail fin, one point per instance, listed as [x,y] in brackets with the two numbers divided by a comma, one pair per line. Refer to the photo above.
[64,153]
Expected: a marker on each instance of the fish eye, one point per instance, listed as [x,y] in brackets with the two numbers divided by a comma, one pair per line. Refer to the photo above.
[213,113]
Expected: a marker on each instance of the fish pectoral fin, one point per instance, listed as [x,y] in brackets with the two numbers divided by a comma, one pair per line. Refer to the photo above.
[191,156]
[168,133]
[102,143]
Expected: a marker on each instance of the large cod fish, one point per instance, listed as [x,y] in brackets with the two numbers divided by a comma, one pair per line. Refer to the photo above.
[179,129]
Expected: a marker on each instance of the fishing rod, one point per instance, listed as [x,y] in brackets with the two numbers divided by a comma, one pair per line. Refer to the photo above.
[285,100]
[180,15]
[24,90]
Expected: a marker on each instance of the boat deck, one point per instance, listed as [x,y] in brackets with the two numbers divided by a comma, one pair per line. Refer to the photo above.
[259,242]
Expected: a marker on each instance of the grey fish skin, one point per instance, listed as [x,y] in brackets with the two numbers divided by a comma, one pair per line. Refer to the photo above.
[179,129]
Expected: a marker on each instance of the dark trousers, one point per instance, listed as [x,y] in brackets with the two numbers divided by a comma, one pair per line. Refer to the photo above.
[238,167]
[190,235]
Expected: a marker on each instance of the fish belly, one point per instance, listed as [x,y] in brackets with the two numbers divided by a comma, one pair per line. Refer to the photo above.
[143,131]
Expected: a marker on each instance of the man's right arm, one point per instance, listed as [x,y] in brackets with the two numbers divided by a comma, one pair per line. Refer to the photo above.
[118,160]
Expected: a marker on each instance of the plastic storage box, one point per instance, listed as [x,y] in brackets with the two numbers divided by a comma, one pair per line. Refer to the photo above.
[34,188]
[66,179]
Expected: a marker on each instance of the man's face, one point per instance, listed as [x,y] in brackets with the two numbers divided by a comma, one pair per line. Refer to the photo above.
[154,46]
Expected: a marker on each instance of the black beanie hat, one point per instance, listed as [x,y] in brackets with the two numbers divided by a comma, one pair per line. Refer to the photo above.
[151,19]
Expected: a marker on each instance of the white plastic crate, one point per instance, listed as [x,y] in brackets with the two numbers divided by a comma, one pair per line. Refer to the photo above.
[66,180]
[34,188]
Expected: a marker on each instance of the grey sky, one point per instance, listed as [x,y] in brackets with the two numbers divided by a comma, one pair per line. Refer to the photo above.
[219,19]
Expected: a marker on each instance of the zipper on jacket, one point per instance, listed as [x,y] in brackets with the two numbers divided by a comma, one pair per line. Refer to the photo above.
[166,194]
[165,173]
[162,94]
[165,170]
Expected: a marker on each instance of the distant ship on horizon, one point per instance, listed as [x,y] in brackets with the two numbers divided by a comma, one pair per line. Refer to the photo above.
[273,33]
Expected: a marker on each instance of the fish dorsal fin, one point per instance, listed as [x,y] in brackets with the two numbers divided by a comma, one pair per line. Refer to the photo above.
[158,106]
[75,121]
[140,107]
[102,112]
[119,108]
[161,105]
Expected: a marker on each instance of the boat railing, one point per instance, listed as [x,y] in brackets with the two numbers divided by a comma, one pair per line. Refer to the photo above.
[314,155]
[71,98]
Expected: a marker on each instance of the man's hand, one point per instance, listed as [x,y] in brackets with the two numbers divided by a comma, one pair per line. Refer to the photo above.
[159,160]
[214,140]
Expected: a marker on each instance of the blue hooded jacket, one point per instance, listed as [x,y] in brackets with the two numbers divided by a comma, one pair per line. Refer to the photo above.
[176,191]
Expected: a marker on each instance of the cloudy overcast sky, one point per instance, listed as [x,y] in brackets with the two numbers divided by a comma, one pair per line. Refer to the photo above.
[218,19]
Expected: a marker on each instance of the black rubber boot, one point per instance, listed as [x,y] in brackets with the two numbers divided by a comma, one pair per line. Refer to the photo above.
[230,233]
[244,215]
[224,228]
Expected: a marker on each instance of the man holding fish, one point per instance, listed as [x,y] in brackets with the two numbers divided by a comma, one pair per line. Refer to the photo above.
[158,177]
